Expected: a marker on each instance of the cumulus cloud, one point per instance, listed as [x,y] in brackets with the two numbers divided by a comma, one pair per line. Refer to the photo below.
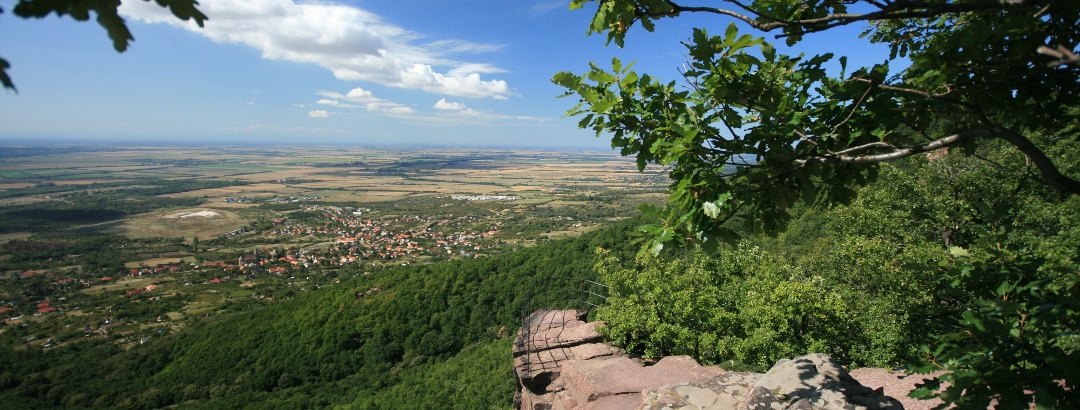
[318,114]
[442,104]
[361,98]
[353,44]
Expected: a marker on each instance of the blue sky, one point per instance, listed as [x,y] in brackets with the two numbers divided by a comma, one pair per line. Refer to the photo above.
[407,72]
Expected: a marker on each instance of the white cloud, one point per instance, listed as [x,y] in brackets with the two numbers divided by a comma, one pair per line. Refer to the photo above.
[398,110]
[352,43]
[547,6]
[318,114]
[362,99]
[422,76]
[442,104]
[336,103]
[359,94]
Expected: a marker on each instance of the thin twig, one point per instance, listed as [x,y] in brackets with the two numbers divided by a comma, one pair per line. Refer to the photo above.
[854,108]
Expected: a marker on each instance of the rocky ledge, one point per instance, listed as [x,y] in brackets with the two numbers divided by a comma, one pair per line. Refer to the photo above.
[562,363]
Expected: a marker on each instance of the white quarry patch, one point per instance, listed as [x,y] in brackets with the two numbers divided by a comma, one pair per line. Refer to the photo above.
[204,214]
[484,197]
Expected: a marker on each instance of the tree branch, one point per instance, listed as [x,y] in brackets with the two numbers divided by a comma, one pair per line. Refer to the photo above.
[843,157]
[1051,175]
[886,11]
[1046,167]
[1063,55]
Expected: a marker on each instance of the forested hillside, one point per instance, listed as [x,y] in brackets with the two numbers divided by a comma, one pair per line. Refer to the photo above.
[411,337]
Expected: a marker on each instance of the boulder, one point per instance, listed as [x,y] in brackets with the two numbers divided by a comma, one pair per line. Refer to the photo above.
[814,381]
[586,381]
[725,391]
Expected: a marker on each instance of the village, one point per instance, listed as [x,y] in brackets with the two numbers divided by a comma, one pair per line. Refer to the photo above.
[356,238]
[307,249]
[146,259]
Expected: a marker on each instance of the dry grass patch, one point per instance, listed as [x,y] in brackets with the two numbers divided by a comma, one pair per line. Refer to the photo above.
[213,222]
[16,185]
[121,285]
[7,237]
[22,200]
[152,262]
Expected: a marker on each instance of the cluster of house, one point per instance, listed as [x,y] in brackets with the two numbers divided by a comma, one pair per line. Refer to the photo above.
[137,291]
[365,238]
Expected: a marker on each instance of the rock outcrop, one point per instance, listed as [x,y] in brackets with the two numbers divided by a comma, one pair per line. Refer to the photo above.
[561,363]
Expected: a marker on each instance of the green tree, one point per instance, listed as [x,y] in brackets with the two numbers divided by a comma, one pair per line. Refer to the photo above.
[107,17]
[750,132]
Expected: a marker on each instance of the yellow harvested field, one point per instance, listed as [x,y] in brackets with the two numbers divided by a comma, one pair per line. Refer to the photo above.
[152,262]
[82,181]
[264,189]
[362,196]
[15,185]
[303,172]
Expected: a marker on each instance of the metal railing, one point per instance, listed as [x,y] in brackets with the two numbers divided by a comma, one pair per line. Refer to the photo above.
[574,293]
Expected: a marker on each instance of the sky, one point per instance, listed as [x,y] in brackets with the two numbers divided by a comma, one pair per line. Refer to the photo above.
[433,73]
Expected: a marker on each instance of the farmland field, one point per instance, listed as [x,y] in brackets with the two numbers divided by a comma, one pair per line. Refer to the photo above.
[335,174]
[179,234]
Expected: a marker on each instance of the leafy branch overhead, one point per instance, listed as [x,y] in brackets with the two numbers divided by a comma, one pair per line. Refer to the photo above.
[107,16]
[750,131]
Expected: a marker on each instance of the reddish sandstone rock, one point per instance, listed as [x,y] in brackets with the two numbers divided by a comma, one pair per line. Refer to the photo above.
[549,339]
[587,381]
[722,392]
[561,365]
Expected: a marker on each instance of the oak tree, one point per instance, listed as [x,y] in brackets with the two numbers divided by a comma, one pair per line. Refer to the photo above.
[749,131]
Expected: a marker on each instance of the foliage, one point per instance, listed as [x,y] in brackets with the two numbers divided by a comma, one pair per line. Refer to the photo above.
[971,252]
[751,131]
[479,377]
[107,17]
[1016,346]
[853,297]
[953,263]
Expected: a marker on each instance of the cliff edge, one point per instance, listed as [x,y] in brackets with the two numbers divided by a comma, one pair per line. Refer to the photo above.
[562,363]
